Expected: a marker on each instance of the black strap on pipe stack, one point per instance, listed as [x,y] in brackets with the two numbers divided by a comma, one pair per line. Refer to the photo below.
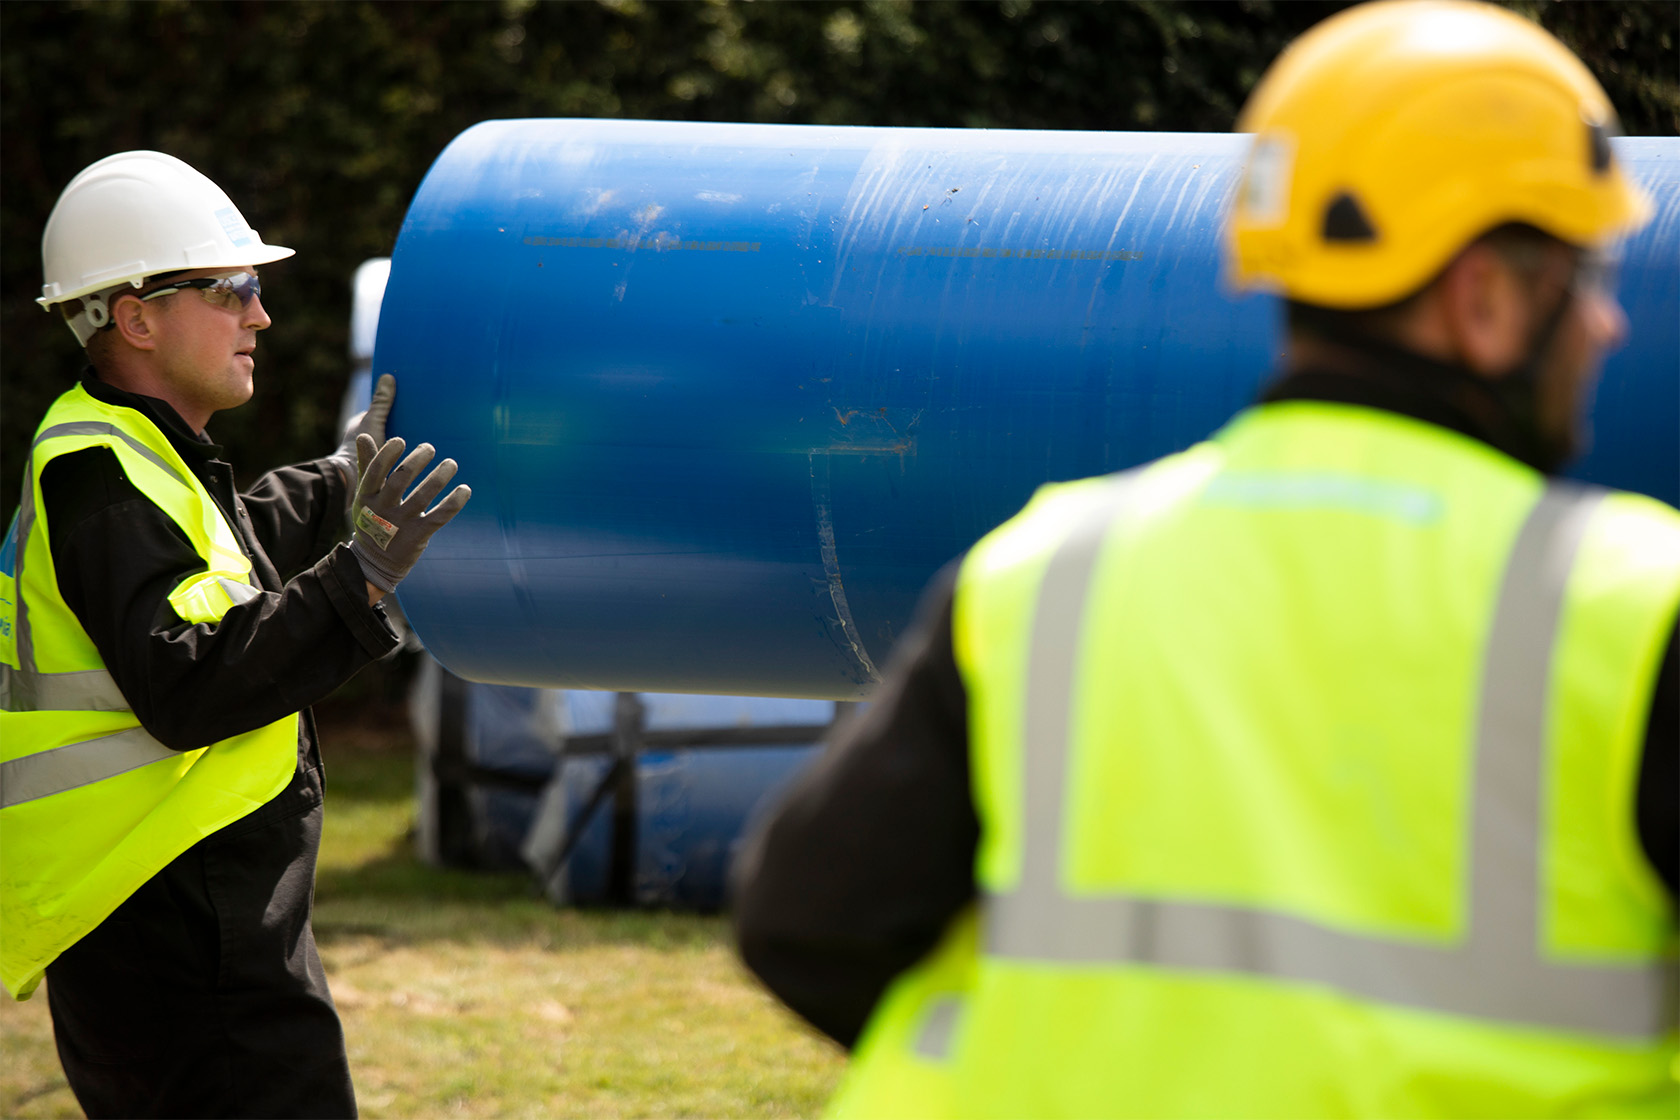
[625,742]
[630,717]
[454,815]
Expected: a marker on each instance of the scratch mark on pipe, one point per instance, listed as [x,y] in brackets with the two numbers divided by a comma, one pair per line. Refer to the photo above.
[871,432]
[831,569]
[1113,235]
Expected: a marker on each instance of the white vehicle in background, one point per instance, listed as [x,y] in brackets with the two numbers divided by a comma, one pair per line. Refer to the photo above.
[617,799]
[367,296]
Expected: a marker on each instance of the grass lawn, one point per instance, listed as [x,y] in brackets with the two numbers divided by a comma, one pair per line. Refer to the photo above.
[467,995]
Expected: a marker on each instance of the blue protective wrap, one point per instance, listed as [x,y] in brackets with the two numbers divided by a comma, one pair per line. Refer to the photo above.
[728,395]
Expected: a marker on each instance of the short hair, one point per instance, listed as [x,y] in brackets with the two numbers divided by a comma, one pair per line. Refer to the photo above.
[72,307]
[1524,247]
[99,345]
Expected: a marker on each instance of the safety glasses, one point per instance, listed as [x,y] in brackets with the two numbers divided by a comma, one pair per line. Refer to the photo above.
[230,293]
[1597,272]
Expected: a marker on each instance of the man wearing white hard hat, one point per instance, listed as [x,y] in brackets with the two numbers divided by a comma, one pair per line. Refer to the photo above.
[161,640]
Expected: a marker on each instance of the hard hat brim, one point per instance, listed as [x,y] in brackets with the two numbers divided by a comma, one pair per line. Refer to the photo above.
[260,254]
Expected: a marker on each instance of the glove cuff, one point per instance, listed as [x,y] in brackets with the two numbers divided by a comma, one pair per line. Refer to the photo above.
[380,575]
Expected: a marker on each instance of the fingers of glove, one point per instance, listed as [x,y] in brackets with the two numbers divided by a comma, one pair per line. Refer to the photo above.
[444,512]
[380,407]
[429,487]
[366,449]
[375,465]
[403,477]
[371,420]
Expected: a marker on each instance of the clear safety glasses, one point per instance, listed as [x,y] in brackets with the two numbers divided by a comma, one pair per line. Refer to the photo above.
[1597,272]
[230,293]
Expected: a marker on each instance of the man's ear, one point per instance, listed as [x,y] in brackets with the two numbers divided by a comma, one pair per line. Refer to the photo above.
[133,320]
[1484,310]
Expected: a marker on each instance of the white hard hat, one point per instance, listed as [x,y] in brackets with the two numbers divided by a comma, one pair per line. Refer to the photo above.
[134,215]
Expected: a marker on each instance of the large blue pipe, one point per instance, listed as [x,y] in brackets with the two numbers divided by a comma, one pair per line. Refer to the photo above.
[728,395]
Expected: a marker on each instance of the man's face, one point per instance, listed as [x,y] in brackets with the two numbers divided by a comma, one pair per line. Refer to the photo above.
[205,351]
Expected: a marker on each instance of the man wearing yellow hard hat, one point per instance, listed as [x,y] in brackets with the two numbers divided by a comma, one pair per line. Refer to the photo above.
[1327,767]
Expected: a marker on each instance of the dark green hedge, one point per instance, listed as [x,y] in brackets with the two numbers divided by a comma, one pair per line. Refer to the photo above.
[320,118]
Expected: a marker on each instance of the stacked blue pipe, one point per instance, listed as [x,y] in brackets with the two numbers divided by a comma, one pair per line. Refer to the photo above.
[513,777]
[728,395]
[689,806]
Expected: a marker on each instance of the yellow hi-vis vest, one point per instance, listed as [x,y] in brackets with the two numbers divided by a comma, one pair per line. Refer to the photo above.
[91,806]
[1305,763]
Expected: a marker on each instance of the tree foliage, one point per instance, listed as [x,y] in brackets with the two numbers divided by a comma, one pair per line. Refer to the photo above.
[320,117]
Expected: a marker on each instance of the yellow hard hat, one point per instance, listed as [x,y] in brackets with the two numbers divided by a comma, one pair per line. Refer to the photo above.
[1393,134]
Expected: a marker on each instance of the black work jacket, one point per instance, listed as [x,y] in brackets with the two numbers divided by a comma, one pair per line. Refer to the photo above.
[118,556]
[872,854]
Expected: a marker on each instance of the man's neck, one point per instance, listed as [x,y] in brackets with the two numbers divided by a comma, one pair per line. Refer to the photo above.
[144,382]
[163,412]
[1395,379]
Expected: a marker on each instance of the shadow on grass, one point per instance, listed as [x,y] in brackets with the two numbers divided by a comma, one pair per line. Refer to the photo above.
[395,897]
[391,895]
[413,905]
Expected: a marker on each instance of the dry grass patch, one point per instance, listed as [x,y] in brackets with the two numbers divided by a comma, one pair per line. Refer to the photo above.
[31,1084]
[596,1030]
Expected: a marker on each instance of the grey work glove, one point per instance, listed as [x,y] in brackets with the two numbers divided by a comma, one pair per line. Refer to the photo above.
[369,422]
[389,530]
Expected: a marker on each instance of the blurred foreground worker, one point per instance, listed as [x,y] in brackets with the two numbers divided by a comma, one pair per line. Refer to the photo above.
[161,638]
[1325,768]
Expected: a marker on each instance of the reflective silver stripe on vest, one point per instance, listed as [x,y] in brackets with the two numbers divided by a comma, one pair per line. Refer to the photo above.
[79,764]
[238,592]
[1495,971]
[933,1041]
[26,515]
[100,428]
[92,690]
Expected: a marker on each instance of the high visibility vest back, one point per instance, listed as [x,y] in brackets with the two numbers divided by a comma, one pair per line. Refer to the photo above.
[91,806]
[1305,764]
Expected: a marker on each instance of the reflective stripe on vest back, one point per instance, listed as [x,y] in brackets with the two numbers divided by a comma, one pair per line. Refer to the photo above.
[1271,760]
[91,806]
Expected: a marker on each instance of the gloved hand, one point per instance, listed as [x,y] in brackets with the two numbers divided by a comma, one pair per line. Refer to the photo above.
[370,422]
[390,531]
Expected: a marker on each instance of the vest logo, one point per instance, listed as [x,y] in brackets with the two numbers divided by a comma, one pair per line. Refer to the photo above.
[8,550]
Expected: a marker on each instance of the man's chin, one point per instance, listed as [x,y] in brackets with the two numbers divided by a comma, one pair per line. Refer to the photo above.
[240,389]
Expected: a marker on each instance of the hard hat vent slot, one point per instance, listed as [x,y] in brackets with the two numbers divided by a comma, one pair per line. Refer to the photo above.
[1598,143]
[1345,220]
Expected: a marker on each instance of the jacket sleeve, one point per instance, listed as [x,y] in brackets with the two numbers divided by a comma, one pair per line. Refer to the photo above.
[118,557]
[297,514]
[864,864]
